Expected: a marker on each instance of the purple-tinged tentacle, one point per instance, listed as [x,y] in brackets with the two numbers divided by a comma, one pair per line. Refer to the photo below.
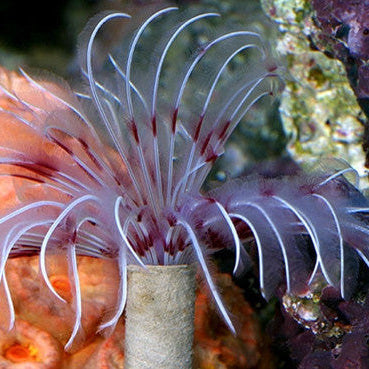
[99,104]
[123,231]
[154,100]
[122,296]
[85,167]
[9,301]
[259,244]
[341,173]
[234,234]
[63,101]
[130,56]
[227,129]
[10,240]
[206,272]
[131,84]
[341,242]
[211,91]
[310,228]
[73,271]
[52,228]
[183,84]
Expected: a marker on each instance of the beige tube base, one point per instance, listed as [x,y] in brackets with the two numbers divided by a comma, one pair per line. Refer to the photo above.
[160,317]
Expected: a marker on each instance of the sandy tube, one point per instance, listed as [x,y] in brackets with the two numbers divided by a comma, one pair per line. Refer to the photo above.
[160,317]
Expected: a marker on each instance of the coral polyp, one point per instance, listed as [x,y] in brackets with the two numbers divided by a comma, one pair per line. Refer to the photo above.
[29,346]
[116,171]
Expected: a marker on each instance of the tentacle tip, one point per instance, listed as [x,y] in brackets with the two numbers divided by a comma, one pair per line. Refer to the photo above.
[232,328]
[59,297]
[106,325]
[236,270]
[11,324]
[68,345]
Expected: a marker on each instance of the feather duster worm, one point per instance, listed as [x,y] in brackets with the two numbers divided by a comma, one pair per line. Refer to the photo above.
[116,171]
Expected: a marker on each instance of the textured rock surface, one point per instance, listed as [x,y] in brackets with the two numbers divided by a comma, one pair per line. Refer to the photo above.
[319,108]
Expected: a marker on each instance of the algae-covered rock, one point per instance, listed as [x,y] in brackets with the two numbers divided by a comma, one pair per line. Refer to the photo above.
[319,108]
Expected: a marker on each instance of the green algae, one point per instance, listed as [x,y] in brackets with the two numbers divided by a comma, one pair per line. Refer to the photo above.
[318,107]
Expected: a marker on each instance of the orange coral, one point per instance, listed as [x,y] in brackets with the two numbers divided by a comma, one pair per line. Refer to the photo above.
[34,303]
[33,347]
[215,346]
[111,353]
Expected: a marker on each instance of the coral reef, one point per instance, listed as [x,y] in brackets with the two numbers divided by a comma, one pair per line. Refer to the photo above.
[331,329]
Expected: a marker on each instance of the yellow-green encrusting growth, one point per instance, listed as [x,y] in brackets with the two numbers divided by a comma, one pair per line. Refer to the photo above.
[318,107]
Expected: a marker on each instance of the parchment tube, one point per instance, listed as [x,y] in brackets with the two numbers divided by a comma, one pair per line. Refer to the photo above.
[160,317]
